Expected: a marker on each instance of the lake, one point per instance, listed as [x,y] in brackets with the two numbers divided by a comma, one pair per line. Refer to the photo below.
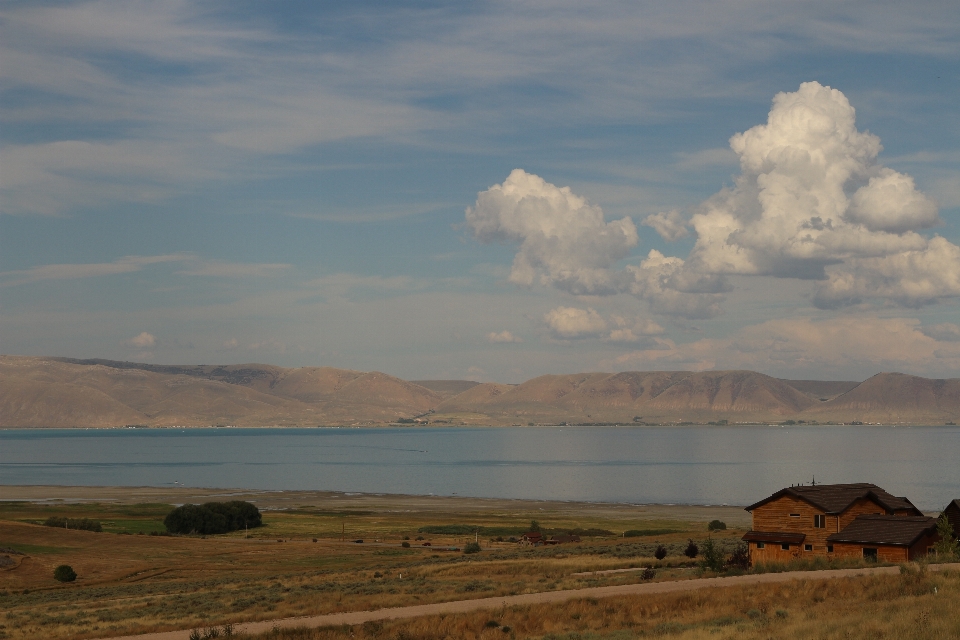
[734,465]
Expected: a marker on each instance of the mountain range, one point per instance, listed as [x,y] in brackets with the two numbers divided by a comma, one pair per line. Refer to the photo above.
[64,392]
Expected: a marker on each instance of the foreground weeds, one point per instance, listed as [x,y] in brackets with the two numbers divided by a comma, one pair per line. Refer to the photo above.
[912,605]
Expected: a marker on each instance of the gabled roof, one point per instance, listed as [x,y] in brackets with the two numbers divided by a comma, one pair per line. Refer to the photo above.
[774,536]
[901,531]
[955,504]
[836,498]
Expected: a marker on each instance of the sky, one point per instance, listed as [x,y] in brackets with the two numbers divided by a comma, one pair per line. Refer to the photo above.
[488,191]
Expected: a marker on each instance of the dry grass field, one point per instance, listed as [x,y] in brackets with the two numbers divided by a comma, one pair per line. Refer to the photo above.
[909,606]
[304,561]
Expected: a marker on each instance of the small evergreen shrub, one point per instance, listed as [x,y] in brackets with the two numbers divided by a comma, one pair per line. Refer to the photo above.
[716,525]
[712,559]
[64,573]
[692,549]
[472,547]
[740,557]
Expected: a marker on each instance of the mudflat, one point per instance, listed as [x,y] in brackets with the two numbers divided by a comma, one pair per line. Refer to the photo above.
[273,500]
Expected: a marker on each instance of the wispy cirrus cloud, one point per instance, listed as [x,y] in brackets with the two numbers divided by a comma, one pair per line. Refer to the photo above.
[126,264]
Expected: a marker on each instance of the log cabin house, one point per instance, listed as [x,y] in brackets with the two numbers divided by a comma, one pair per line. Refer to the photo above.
[837,520]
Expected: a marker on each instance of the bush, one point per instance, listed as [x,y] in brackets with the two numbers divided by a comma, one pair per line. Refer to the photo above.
[712,557]
[692,549]
[660,553]
[82,524]
[64,573]
[213,517]
[716,525]
[648,574]
[472,547]
[405,544]
[740,557]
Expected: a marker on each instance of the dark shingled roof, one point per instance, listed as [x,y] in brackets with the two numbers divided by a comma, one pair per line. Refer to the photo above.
[835,498]
[901,531]
[774,536]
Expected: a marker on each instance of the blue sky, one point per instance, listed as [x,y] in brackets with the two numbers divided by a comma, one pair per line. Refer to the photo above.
[318,183]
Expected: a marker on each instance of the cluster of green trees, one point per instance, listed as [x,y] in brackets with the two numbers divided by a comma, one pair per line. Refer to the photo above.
[213,517]
[82,524]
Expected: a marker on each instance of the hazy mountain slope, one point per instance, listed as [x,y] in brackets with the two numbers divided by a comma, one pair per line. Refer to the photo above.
[892,398]
[58,392]
[446,388]
[46,392]
[821,389]
[621,397]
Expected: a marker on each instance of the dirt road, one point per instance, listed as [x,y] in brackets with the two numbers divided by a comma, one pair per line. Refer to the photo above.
[463,606]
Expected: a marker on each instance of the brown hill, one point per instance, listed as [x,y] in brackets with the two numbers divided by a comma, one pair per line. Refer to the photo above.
[59,392]
[47,392]
[821,390]
[647,396]
[892,398]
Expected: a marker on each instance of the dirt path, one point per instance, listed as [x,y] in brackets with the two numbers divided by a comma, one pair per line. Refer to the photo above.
[464,606]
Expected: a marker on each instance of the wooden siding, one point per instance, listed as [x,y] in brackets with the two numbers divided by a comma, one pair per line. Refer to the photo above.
[953,515]
[772,552]
[885,553]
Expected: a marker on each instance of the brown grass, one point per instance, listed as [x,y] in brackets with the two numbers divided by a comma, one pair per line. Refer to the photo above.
[911,605]
[131,583]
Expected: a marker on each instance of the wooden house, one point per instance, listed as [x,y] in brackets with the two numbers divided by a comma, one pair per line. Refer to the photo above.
[797,521]
[886,538]
[953,515]
[533,538]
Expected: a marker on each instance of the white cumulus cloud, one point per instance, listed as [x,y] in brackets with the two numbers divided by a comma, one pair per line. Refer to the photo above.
[564,240]
[143,341]
[812,201]
[502,337]
[570,322]
[669,224]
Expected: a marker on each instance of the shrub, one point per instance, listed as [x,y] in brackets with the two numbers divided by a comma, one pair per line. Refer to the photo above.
[712,557]
[740,557]
[405,544]
[648,573]
[692,549]
[660,553]
[213,517]
[64,573]
[472,547]
[716,525]
[82,524]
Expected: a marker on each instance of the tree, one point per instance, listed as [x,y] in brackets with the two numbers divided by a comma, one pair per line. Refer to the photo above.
[472,547]
[660,553]
[947,547]
[534,526]
[64,573]
[712,559]
[716,525]
[692,549]
[213,517]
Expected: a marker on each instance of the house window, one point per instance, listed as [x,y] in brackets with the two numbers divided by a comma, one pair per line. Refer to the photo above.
[869,554]
[785,546]
[761,545]
[829,548]
[808,547]
[820,522]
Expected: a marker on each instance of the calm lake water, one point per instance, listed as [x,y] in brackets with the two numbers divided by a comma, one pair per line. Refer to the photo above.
[673,465]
